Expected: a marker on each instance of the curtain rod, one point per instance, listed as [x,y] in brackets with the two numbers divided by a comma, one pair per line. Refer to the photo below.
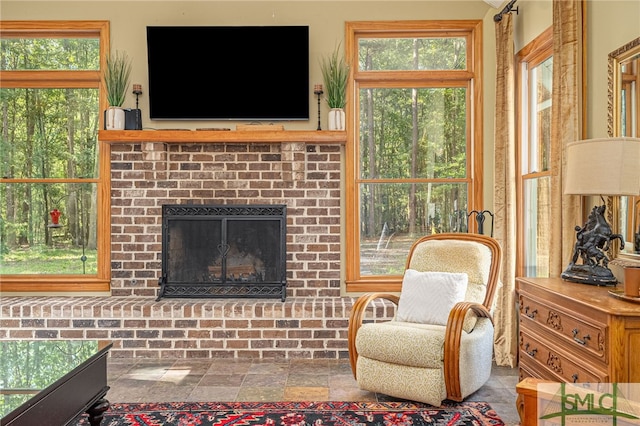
[508,8]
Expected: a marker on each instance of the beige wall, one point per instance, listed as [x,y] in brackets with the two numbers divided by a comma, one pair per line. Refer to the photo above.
[326,21]
[610,24]
[534,16]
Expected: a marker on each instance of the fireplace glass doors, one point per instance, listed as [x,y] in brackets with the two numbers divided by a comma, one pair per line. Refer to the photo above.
[224,251]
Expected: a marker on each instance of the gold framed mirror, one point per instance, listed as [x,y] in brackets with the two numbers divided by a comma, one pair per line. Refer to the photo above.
[624,120]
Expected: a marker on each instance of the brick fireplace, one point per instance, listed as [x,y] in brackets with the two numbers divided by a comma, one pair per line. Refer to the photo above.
[298,169]
[304,177]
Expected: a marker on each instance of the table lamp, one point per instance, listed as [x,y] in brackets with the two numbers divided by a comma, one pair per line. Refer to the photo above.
[606,166]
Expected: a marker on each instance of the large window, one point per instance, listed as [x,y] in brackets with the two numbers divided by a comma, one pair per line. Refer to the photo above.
[414,149]
[534,189]
[54,173]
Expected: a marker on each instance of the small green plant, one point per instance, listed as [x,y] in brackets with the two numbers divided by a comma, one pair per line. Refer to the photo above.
[116,78]
[335,72]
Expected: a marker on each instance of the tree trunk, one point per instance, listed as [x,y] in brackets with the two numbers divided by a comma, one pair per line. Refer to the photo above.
[414,146]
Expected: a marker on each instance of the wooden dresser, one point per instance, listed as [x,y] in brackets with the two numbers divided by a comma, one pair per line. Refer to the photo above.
[572,332]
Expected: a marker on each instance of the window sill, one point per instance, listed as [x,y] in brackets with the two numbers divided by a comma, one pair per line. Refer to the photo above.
[67,284]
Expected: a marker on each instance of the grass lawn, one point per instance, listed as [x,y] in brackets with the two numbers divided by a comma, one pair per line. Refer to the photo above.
[48,260]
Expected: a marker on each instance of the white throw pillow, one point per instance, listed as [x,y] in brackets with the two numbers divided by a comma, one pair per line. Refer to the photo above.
[428,297]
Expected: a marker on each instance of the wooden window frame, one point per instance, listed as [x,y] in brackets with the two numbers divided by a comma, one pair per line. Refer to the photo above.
[533,54]
[64,284]
[472,31]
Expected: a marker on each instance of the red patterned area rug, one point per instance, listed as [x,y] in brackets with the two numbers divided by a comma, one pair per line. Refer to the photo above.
[298,414]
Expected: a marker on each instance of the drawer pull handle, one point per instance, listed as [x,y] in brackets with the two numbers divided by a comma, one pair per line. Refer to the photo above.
[531,314]
[532,352]
[582,341]
[575,377]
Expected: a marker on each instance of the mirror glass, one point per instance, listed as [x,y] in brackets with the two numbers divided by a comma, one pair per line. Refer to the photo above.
[624,120]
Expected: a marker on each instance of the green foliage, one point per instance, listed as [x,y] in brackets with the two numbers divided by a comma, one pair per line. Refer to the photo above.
[438,53]
[37,365]
[50,134]
[415,142]
[335,72]
[50,53]
[116,78]
[48,146]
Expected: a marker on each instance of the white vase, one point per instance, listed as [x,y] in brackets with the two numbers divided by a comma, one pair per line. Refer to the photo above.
[114,119]
[336,119]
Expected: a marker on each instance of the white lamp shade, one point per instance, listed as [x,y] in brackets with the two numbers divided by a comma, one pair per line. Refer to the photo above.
[494,3]
[606,166]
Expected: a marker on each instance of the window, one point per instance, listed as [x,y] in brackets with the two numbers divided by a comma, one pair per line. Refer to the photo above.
[534,210]
[54,177]
[414,161]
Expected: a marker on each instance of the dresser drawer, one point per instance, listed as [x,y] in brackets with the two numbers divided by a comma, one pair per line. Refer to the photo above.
[582,336]
[528,370]
[538,356]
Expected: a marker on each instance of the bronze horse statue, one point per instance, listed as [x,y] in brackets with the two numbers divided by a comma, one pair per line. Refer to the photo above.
[594,239]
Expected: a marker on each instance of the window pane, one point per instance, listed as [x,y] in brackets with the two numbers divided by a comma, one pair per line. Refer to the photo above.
[392,119]
[537,213]
[50,54]
[394,215]
[49,133]
[33,243]
[441,53]
[540,87]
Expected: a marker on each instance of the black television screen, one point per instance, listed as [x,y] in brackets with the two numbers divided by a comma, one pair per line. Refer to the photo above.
[228,72]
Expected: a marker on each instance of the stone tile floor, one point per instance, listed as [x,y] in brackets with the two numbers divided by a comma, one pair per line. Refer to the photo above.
[226,380]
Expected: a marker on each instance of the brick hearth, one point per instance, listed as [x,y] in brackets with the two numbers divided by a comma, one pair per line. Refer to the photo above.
[147,173]
[188,328]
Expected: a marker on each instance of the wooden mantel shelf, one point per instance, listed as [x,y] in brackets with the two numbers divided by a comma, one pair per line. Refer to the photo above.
[223,136]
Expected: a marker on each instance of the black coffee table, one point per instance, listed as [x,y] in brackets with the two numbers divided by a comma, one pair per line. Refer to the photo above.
[52,382]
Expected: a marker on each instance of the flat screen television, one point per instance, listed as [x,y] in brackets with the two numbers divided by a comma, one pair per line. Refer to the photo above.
[228,72]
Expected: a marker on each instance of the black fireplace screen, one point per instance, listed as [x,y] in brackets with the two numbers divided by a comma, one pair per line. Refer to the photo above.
[223,251]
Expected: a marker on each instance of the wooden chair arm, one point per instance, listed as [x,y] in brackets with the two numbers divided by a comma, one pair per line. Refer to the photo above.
[355,321]
[453,334]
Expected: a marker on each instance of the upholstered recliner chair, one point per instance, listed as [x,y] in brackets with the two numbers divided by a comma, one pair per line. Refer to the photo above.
[439,345]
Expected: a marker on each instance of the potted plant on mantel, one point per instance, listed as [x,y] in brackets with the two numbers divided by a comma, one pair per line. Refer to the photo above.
[116,81]
[335,72]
